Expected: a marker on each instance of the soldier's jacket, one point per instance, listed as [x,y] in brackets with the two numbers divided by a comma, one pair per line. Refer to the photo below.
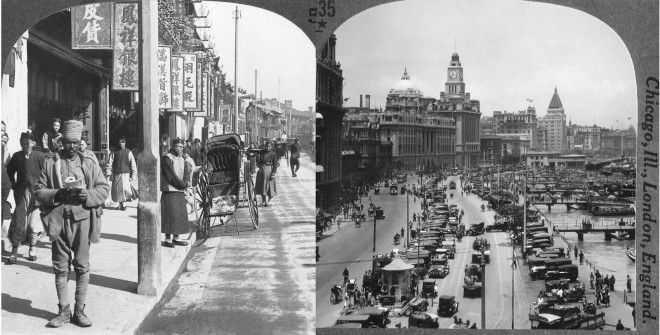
[52,213]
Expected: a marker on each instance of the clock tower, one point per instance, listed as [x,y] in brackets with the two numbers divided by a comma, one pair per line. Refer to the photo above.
[455,85]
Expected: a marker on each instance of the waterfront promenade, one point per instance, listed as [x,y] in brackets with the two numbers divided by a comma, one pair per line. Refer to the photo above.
[618,308]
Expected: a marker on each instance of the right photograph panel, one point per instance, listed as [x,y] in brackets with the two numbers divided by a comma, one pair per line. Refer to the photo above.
[475,169]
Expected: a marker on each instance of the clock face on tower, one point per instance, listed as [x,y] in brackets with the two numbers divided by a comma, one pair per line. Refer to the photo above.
[453,74]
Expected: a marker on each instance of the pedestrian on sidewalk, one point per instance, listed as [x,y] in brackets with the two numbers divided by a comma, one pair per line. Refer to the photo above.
[628,283]
[295,157]
[123,169]
[71,215]
[581,257]
[575,251]
[612,281]
[51,141]
[196,152]
[84,142]
[606,281]
[591,280]
[268,162]
[23,170]
[175,177]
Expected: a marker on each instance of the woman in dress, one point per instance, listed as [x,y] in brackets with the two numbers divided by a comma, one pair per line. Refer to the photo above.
[265,184]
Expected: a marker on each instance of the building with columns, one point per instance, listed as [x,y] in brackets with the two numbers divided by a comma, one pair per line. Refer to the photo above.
[554,123]
[457,104]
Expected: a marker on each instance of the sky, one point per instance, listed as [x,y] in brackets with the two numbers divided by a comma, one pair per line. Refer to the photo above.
[272,45]
[510,51]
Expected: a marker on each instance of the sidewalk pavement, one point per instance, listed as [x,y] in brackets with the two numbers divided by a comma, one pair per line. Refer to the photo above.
[257,282]
[29,298]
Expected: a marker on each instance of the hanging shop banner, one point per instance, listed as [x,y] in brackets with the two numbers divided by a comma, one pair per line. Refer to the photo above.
[165,77]
[126,48]
[189,81]
[91,26]
[199,85]
[211,112]
[205,95]
[177,84]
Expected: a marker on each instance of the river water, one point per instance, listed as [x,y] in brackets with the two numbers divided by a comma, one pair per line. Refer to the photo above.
[609,257]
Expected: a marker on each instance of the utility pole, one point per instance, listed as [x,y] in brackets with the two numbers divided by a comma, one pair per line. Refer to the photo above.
[524,247]
[278,98]
[255,131]
[514,266]
[237,15]
[483,289]
[407,219]
[373,251]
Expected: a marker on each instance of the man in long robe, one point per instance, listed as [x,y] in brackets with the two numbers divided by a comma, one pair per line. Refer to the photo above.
[71,190]
[175,178]
[123,169]
[24,169]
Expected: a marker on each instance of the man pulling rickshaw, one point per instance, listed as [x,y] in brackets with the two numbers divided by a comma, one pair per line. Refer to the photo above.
[397,237]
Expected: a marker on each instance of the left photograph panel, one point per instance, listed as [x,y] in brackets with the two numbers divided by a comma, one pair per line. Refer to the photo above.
[158,170]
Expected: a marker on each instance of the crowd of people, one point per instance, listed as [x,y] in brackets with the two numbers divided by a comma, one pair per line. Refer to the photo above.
[60,189]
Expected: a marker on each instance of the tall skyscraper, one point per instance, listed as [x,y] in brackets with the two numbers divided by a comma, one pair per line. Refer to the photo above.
[555,124]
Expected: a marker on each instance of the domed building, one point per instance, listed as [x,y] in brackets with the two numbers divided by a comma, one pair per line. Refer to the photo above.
[405,96]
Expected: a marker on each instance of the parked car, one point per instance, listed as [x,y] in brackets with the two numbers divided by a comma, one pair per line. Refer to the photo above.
[447,305]
[423,320]
[438,271]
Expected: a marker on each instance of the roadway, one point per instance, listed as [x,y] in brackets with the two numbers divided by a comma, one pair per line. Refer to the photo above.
[352,248]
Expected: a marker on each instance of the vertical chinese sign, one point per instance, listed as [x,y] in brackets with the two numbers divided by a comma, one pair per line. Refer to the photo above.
[205,95]
[165,77]
[91,26]
[189,81]
[126,47]
[212,93]
[177,84]
[199,85]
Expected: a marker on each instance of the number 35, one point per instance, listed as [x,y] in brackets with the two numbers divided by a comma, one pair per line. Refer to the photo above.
[327,7]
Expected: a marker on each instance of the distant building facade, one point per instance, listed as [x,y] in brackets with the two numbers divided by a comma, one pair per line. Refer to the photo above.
[329,106]
[555,124]
[456,103]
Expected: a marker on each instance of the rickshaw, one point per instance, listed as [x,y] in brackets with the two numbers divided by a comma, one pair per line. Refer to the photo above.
[335,294]
[219,183]
[351,286]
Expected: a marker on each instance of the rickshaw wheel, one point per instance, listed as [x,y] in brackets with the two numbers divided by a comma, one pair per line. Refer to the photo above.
[204,225]
[252,203]
[252,200]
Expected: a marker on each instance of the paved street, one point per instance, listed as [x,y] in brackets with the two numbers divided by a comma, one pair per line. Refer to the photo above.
[350,244]
[259,282]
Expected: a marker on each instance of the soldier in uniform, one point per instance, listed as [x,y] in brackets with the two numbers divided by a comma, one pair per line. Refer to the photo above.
[71,190]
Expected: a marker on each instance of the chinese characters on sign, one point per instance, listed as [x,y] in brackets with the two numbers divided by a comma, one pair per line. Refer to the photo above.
[91,26]
[125,58]
[177,84]
[189,81]
[205,93]
[212,92]
[199,85]
[164,77]
[318,15]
